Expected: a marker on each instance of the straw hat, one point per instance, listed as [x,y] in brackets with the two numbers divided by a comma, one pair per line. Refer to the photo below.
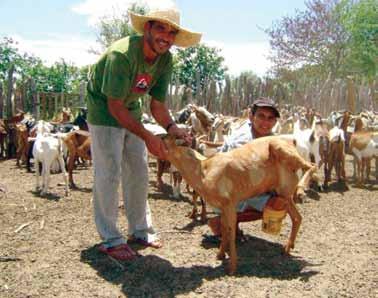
[171,16]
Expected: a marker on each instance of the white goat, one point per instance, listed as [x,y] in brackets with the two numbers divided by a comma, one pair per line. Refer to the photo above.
[47,148]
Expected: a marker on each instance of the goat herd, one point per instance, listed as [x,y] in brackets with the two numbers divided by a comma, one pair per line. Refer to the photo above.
[322,141]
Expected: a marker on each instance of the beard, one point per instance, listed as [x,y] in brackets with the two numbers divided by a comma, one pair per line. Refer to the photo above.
[157,45]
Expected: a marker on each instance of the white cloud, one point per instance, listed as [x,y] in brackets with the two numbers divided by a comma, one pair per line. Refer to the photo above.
[238,57]
[71,49]
[244,56]
[97,9]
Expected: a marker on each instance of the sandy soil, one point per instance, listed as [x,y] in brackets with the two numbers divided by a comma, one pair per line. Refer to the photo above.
[48,247]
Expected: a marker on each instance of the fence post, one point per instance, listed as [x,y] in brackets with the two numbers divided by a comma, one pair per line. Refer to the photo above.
[10,92]
[33,98]
[56,108]
[351,95]
[82,94]
[37,106]
[62,99]
[24,101]
[1,101]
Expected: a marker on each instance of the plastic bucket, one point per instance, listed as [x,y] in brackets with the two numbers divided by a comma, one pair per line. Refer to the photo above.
[272,220]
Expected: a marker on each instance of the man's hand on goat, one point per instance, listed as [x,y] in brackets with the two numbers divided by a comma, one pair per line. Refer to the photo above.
[180,133]
[156,146]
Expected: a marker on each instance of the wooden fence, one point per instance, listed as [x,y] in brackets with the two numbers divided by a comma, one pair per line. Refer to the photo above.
[229,98]
[234,95]
[42,105]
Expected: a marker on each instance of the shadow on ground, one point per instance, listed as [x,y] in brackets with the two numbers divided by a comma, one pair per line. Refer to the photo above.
[153,276]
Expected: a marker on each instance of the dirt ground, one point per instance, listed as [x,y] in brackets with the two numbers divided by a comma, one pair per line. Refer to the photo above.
[48,247]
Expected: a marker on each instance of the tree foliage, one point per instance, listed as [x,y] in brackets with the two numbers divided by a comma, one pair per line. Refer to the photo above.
[200,63]
[336,37]
[112,28]
[312,37]
[361,22]
[59,77]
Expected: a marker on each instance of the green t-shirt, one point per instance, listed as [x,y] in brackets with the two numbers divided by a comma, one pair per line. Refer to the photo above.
[122,73]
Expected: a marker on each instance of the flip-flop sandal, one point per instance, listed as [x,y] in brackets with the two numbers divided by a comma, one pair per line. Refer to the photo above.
[154,244]
[120,252]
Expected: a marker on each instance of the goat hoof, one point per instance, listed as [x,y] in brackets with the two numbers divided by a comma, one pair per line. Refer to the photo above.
[203,219]
[221,256]
[288,247]
[192,215]
[230,270]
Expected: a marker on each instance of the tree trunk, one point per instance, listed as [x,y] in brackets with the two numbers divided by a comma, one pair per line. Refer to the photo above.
[9,105]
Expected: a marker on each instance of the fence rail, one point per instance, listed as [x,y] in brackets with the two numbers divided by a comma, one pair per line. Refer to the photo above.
[229,98]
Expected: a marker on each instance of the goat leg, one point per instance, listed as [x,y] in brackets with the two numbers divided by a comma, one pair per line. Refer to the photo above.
[64,173]
[224,238]
[296,220]
[193,213]
[231,221]
[37,176]
[228,239]
[203,211]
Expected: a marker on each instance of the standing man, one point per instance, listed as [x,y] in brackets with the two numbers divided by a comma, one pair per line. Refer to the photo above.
[263,115]
[129,69]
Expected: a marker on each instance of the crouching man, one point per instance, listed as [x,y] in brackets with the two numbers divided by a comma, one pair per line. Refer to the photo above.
[263,115]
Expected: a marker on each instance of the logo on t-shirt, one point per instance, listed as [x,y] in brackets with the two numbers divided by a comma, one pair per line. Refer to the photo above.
[142,83]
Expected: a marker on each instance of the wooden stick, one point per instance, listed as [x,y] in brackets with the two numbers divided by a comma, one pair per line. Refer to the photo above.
[22,226]
[42,224]
[9,259]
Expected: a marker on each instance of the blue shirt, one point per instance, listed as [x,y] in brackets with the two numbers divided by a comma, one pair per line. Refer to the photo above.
[238,138]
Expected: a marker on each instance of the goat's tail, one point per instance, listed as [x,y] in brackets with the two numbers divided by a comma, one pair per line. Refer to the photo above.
[303,184]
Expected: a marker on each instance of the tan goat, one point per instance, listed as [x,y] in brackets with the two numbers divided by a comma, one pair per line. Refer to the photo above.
[263,165]
[78,144]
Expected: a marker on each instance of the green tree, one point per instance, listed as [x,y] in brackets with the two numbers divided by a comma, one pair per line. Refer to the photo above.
[199,61]
[361,22]
[115,27]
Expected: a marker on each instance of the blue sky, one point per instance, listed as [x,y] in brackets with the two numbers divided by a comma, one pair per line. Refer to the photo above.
[66,28]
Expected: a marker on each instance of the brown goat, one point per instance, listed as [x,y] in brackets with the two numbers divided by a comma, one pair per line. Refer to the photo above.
[335,156]
[22,144]
[78,144]
[263,165]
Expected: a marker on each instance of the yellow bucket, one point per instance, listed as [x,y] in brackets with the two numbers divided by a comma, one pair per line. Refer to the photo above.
[272,220]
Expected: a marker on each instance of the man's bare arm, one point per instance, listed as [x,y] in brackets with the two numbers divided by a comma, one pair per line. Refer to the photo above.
[154,144]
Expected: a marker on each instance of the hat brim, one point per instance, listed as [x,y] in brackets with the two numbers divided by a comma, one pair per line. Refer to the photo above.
[276,112]
[184,38]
